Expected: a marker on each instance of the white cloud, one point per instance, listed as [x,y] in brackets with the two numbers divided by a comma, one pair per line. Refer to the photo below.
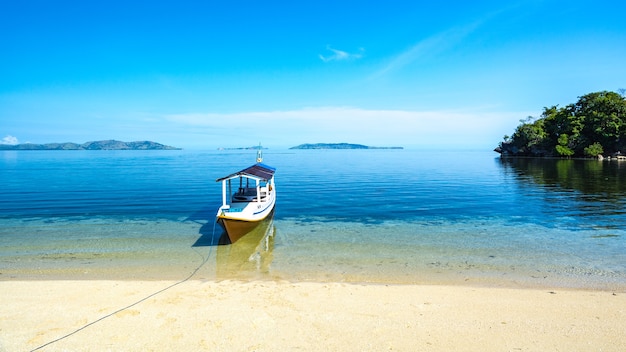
[355,125]
[10,140]
[340,55]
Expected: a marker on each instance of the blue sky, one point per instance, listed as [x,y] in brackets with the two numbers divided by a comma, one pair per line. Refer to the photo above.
[211,74]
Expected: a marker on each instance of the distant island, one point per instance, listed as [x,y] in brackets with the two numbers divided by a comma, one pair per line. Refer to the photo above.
[593,127]
[96,145]
[243,148]
[339,146]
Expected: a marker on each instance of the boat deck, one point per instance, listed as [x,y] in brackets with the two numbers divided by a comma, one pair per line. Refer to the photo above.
[246,195]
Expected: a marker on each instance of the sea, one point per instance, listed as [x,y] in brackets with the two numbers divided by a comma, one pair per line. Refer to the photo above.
[351,216]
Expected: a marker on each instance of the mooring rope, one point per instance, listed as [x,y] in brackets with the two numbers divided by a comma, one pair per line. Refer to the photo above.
[204,261]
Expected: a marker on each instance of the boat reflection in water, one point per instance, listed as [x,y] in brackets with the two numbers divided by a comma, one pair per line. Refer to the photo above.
[250,257]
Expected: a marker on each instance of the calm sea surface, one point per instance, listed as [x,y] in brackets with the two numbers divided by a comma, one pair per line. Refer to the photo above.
[384,216]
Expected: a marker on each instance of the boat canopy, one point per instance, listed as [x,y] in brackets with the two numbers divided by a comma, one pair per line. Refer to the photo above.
[257,171]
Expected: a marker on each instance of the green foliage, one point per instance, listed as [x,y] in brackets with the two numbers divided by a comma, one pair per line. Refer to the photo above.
[529,135]
[562,148]
[596,122]
[594,150]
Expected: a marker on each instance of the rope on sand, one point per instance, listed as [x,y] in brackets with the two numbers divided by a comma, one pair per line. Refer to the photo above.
[204,261]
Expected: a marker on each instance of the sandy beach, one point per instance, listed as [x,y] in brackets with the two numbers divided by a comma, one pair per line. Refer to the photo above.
[198,315]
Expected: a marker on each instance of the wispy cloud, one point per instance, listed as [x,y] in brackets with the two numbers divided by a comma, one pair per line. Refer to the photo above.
[438,43]
[340,55]
[428,47]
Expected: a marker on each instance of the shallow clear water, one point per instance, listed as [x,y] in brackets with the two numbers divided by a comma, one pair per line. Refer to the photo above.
[390,216]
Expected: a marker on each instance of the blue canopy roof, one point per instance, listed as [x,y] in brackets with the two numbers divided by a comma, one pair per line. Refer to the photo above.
[258,170]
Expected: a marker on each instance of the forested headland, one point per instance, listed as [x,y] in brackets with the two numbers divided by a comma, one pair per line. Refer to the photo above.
[593,126]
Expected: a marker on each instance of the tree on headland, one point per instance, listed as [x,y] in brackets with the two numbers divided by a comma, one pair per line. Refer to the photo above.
[594,125]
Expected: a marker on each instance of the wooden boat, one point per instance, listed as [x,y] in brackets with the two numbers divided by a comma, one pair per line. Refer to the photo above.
[251,202]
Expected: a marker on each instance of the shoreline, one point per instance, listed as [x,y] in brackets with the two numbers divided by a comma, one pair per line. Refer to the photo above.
[240,263]
[249,262]
[278,315]
[160,256]
[449,282]
[209,273]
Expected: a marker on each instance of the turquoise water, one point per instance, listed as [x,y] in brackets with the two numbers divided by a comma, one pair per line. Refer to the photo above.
[383,216]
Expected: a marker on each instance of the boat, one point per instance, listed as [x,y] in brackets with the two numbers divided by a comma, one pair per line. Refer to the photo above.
[252,201]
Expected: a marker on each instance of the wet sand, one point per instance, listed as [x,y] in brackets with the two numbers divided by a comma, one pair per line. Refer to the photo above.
[196,315]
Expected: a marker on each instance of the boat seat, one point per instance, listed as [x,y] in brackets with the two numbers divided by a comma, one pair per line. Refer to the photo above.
[247,195]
